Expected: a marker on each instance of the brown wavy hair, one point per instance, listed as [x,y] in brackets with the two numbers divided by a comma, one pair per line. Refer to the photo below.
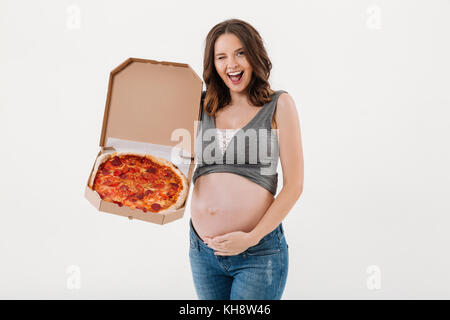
[217,92]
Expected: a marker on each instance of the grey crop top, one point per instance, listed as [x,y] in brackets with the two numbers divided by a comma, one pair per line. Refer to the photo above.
[252,152]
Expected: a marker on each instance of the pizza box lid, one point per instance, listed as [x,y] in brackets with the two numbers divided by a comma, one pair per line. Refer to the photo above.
[154,102]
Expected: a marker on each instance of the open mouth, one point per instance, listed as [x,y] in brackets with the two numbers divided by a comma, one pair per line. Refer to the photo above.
[236,78]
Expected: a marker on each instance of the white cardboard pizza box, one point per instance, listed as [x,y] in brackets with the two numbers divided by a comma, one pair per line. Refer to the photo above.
[151,107]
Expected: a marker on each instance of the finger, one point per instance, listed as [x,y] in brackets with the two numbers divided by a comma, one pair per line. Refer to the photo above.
[222,238]
[216,246]
[222,248]
[221,241]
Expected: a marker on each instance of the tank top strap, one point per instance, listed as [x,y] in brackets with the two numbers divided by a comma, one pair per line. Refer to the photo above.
[206,120]
[202,100]
[265,118]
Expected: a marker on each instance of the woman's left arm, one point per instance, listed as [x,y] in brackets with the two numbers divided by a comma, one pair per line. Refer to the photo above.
[291,156]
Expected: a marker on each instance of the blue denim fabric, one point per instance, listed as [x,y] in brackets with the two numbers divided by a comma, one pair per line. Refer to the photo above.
[258,273]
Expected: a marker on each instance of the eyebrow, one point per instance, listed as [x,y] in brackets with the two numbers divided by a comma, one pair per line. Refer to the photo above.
[218,54]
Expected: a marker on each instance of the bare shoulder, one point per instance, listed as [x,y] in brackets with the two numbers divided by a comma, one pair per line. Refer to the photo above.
[285,109]
[286,103]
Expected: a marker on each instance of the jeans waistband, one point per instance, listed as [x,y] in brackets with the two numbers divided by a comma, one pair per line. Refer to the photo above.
[278,232]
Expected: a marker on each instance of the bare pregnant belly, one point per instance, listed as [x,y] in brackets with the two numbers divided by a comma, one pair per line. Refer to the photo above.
[224,202]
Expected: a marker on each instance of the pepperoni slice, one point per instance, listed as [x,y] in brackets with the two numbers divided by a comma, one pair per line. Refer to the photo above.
[147,192]
[124,175]
[118,203]
[151,170]
[105,172]
[156,206]
[174,185]
[116,161]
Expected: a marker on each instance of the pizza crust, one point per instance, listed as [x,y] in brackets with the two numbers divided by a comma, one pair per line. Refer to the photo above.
[161,161]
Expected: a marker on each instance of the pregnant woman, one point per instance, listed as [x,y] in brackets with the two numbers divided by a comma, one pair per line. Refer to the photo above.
[237,245]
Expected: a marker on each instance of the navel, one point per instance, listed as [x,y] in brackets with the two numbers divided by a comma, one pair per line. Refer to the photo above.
[212,211]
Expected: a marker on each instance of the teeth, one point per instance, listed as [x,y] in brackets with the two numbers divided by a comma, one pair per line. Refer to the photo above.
[234,74]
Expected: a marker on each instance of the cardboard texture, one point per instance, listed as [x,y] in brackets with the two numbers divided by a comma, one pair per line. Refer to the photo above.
[150,103]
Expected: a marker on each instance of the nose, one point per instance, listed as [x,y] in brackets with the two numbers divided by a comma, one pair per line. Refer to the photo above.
[233,64]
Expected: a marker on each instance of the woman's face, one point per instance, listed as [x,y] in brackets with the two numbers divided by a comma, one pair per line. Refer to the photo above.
[229,57]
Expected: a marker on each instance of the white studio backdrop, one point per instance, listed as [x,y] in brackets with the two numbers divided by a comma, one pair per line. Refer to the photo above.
[371,83]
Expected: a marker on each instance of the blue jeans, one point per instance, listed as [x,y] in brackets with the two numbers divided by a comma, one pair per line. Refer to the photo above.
[258,273]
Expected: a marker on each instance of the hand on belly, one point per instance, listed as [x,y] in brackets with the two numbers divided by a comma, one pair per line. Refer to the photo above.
[231,243]
[226,202]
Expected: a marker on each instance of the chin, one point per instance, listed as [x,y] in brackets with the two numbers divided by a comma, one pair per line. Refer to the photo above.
[237,90]
[240,89]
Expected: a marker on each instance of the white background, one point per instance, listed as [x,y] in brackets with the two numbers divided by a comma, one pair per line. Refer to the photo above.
[371,82]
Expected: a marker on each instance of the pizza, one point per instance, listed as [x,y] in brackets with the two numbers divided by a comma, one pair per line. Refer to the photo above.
[139,181]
